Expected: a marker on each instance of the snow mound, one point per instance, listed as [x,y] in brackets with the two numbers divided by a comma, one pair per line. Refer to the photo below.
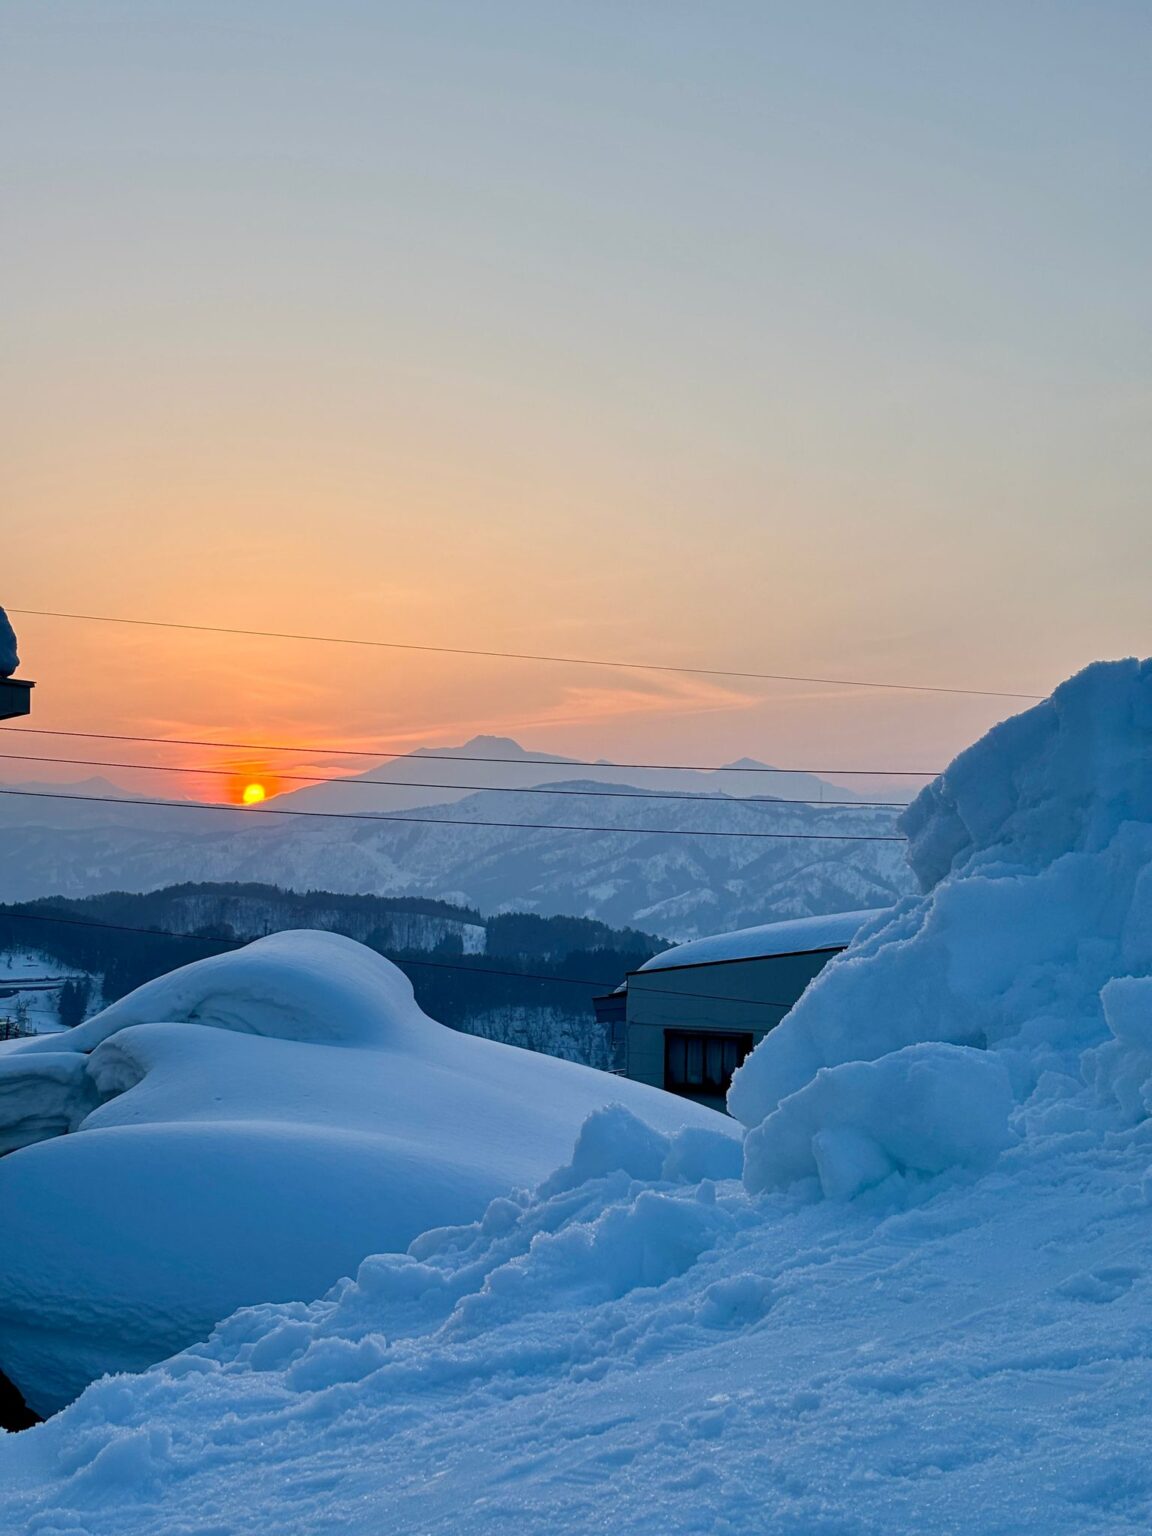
[301,984]
[248,1129]
[921,1110]
[9,660]
[1122,1066]
[1034,852]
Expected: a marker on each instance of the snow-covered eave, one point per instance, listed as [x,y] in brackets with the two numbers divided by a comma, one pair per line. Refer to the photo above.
[768,941]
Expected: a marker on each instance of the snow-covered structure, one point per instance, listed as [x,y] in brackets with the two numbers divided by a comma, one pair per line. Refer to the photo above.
[9,660]
[689,1016]
[249,1128]
[15,694]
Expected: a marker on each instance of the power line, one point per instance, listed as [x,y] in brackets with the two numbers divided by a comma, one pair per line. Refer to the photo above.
[430,965]
[318,749]
[570,661]
[497,789]
[445,821]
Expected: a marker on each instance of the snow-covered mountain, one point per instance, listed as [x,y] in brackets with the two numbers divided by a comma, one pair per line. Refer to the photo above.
[664,880]
[442,775]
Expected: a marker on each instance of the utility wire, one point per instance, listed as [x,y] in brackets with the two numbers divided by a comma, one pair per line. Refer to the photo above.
[430,965]
[444,821]
[570,661]
[497,789]
[318,749]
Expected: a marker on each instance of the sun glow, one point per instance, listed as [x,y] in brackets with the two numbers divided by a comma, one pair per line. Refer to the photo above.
[253,794]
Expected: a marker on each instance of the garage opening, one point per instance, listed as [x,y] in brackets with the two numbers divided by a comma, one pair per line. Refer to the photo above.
[701,1064]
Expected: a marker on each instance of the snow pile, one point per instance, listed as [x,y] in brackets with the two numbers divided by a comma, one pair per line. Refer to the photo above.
[1034,851]
[920,1110]
[9,660]
[1122,1066]
[249,1128]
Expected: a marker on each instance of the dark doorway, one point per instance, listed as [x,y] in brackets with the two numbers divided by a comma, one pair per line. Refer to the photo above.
[701,1064]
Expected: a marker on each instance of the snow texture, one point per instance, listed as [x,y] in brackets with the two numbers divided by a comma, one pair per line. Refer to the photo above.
[920,1110]
[250,1127]
[800,935]
[923,1308]
[9,660]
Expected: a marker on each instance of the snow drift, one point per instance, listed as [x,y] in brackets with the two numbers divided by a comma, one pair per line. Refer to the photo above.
[250,1127]
[1034,853]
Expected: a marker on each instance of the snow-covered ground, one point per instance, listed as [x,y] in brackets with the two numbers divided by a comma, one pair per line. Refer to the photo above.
[926,1305]
[35,1007]
[249,1127]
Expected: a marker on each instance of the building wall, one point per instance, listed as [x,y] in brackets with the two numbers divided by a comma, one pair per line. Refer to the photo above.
[729,997]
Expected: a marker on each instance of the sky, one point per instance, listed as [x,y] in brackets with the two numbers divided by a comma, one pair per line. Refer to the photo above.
[810,339]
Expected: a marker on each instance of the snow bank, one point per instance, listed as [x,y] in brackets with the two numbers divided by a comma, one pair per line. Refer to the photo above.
[41,1099]
[9,660]
[1034,851]
[920,1110]
[249,1128]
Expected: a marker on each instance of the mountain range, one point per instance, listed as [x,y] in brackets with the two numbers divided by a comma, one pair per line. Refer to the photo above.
[642,866]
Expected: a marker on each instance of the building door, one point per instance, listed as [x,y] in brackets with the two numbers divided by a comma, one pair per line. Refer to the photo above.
[701,1064]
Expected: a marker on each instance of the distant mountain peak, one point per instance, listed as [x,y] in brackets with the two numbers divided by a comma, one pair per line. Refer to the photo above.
[503,747]
[94,784]
[748,762]
[496,744]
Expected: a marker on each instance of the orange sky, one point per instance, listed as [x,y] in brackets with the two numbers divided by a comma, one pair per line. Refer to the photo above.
[236,689]
[759,340]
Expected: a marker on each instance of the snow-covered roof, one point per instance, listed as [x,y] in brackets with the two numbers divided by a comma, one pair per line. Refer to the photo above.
[832,930]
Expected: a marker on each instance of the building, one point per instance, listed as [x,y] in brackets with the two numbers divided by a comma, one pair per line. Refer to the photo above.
[15,697]
[688,1017]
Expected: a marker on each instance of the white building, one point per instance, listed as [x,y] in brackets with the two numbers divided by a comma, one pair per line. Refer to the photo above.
[688,1017]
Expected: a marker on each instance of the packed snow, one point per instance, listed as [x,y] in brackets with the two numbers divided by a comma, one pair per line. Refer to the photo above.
[9,660]
[798,935]
[250,1127]
[923,1306]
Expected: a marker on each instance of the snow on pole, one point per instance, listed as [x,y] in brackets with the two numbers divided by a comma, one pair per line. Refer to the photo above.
[9,660]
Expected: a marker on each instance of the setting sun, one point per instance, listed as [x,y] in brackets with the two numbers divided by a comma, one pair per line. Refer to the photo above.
[253,794]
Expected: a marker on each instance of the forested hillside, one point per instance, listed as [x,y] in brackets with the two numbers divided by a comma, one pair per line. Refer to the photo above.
[467,972]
